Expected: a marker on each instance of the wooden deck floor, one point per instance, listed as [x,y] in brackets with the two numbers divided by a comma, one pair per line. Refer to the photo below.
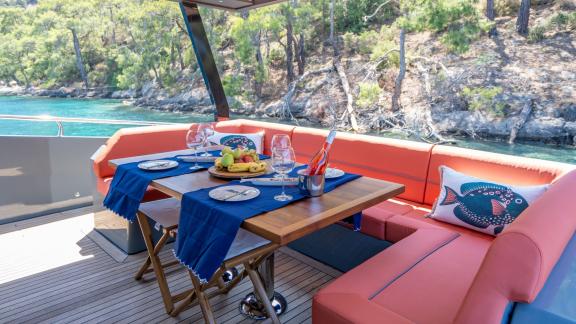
[52,271]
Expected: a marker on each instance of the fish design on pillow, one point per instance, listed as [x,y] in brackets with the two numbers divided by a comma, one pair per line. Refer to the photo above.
[237,141]
[483,204]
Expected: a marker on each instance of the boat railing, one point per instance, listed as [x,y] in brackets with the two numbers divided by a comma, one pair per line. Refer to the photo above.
[61,120]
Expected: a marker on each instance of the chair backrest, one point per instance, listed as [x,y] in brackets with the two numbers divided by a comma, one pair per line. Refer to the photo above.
[520,259]
[491,166]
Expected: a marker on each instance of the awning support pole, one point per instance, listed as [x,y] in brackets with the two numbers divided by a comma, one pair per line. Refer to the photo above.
[205,59]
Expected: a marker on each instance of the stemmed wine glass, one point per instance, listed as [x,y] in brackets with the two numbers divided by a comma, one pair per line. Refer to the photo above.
[283,161]
[280,141]
[206,130]
[195,140]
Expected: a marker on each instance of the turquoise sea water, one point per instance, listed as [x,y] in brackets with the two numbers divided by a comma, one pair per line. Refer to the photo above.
[115,109]
[79,108]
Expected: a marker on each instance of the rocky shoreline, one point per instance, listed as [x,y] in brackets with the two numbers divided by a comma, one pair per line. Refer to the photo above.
[541,127]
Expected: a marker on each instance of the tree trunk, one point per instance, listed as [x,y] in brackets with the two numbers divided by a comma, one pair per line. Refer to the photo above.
[180,57]
[172,55]
[157,76]
[521,120]
[289,51]
[523,17]
[301,57]
[491,15]
[79,60]
[348,92]
[113,25]
[332,40]
[398,85]
[323,31]
[256,41]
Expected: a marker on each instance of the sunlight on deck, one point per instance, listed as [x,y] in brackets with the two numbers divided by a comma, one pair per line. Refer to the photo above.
[42,247]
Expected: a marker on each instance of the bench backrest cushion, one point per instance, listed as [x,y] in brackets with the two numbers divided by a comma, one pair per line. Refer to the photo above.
[520,259]
[270,129]
[393,160]
[493,167]
[147,140]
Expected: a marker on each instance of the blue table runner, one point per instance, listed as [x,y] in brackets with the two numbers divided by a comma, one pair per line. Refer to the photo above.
[208,227]
[130,183]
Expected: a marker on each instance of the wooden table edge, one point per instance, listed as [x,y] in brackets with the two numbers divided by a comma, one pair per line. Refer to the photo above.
[290,234]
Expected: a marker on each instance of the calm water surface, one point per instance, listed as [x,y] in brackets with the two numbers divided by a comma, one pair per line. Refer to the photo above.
[115,109]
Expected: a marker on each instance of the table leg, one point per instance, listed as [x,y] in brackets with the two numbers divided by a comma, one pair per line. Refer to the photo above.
[251,307]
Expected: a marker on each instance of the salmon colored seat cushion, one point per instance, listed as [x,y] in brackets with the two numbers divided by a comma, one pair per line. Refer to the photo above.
[490,166]
[521,259]
[147,140]
[406,279]
[393,160]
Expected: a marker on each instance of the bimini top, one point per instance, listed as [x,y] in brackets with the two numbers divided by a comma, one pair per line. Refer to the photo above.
[233,4]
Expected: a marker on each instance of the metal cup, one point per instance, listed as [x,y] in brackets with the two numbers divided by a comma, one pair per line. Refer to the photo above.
[311,185]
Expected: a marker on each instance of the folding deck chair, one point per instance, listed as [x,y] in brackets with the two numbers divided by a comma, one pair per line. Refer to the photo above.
[248,249]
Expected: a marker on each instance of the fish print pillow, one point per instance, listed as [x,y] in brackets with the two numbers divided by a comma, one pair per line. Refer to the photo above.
[481,205]
[248,141]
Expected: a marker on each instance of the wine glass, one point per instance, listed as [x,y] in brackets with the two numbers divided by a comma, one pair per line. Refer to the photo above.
[206,130]
[280,141]
[283,161]
[194,140]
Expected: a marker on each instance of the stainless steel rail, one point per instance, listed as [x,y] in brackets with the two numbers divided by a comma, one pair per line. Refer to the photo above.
[60,120]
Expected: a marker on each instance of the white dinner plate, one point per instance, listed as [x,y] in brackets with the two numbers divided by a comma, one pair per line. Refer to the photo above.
[234,193]
[332,173]
[157,165]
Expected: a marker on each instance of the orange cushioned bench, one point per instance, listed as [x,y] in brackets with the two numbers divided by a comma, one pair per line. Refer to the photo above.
[435,272]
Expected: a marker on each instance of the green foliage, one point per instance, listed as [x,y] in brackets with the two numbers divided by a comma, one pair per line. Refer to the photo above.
[536,33]
[233,85]
[458,21]
[563,21]
[122,43]
[350,14]
[484,99]
[384,44]
[506,7]
[368,95]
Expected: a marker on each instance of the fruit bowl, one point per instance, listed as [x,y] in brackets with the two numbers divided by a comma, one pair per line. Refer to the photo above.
[233,175]
[237,164]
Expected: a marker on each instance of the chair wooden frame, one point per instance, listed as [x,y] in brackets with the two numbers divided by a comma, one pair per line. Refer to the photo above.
[153,262]
[198,295]
[250,260]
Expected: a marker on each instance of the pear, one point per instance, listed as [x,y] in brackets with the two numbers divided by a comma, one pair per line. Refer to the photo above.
[226,150]
[238,153]
[227,160]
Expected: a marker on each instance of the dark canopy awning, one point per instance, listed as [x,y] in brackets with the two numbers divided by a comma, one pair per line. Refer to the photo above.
[234,4]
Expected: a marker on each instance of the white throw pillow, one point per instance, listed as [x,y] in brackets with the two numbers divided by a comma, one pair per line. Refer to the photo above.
[252,141]
[481,205]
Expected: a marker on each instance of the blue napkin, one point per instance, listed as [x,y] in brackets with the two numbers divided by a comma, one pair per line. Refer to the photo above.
[208,227]
[130,183]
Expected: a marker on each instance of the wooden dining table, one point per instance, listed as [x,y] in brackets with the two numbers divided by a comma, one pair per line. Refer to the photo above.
[288,223]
